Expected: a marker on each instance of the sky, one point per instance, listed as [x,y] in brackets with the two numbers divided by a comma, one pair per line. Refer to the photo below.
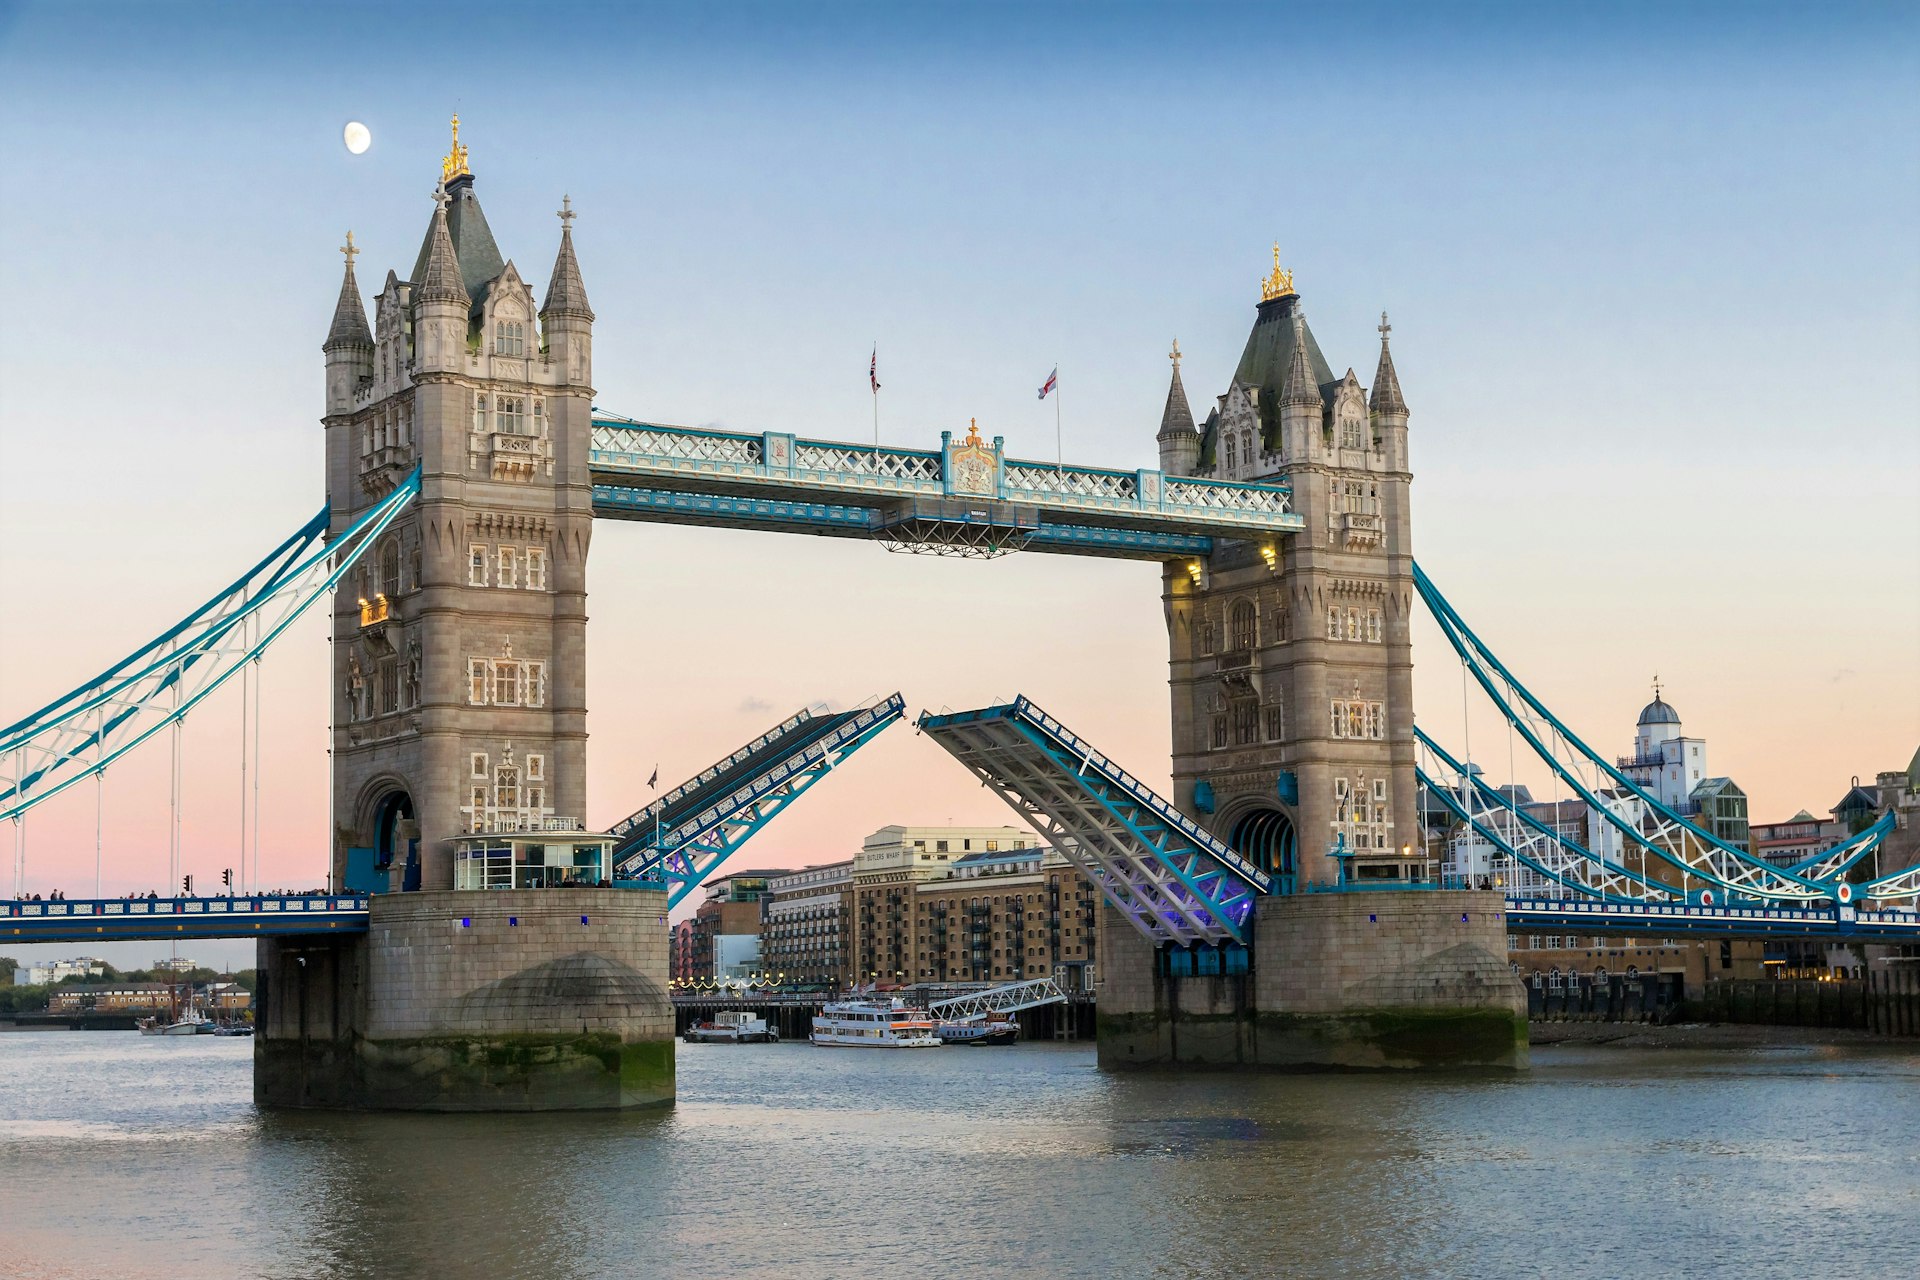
[1651,273]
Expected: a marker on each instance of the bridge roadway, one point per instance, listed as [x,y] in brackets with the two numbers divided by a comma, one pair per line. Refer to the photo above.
[136,919]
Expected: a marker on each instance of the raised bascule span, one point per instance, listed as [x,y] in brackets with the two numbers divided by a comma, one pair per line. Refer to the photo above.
[1172,879]
[688,832]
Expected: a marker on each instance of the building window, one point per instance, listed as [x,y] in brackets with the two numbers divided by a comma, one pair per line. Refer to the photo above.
[390,569]
[509,338]
[536,690]
[480,413]
[1342,801]
[1243,625]
[506,787]
[476,566]
[477,764]
[1246,722]
[1333,624]
[1358,720]
[536,569]
[1207,639]
[1219,731]
[1276,723]
[506,684]
[1373,626]
[508,574]
[1353,624]
[510,415]
[477,681]
[389,686]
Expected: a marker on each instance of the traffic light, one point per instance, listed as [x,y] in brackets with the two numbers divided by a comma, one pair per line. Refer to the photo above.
[186,885]
[226,877]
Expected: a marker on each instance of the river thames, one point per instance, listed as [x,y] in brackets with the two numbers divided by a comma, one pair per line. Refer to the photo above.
[124,1156]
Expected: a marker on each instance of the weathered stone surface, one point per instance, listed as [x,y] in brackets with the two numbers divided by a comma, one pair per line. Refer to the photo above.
[539,1000]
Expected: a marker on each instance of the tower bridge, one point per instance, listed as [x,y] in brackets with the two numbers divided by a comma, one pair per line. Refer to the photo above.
[486,950]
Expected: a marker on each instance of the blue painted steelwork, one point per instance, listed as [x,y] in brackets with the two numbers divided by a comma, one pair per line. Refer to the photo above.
[1174,880]
[1090,510]
[1689,849]
[153,919]
[1607,919]
[688,832]
[87,730]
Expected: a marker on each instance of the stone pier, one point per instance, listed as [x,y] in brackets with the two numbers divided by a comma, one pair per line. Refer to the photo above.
[1385,979]
[504,1000]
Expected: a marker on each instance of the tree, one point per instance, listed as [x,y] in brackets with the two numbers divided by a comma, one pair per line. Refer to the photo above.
[8,967]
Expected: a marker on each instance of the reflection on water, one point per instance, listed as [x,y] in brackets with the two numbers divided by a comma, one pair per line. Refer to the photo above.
[129,1156]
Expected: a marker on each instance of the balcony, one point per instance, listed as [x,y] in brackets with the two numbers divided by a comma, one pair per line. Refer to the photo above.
[1361,529]
[517,457]
[382,468]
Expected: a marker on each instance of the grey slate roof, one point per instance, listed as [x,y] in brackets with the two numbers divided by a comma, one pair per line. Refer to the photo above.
[437,276]
[566,293]
[1386,396]
[480,263]
[349,330]
[1178,415]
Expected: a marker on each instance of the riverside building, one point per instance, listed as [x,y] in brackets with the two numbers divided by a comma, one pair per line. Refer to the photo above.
[804,926]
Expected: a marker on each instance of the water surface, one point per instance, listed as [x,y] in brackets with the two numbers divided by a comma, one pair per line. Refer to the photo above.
[130,1156]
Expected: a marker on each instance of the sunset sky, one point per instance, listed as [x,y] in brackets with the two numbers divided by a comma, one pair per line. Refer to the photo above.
[1652,277]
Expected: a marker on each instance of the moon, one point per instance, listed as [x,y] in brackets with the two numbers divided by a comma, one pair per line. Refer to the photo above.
[357,137]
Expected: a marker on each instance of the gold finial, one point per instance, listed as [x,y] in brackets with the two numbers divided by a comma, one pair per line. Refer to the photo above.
[1174,355]
[1280,283]
[455,163]
[973,434]
[349,250]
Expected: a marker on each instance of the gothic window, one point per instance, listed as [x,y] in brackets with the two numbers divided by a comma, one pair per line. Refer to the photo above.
[510,415]
[389,686]
[506,786]
[1333,624]
[477,681]
[506,684]
[1243,625]
[1276,723]
[1206,636]
[536,689]
[1373,626]
[536,768]
[536,569]
[477,764]
[1337,723]
[1342,802]
[1353,624]
[476,566]
[1350,431]
[1233,454]
[1246,722]
[509,338]
[1219,731]
[507,575]
[480,413]
[390,569]
[478,802]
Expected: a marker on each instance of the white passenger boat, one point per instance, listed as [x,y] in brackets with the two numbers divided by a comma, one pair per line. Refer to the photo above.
[730,1026]
[874,1024]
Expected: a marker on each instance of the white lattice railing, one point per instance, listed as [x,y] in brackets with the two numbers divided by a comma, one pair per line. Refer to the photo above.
[893,464]
[683,446]
[1071,482]
[1211,496]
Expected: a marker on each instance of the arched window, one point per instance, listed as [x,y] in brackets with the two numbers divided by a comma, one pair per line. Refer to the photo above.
[1243,625]
[509,338]
[390,569]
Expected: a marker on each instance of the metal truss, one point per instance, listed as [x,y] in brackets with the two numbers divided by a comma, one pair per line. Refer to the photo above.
[1174,881]
[124,919]
[1500,822]
[86,731]
[688,832]
[1669,837]
[1011,998]
[1526,914]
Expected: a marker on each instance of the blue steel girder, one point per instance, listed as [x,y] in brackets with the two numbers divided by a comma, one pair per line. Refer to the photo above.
[755,791]
[650,471]
[1174,881]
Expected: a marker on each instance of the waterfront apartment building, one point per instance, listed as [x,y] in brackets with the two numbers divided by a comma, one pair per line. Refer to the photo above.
[892,863]
[45,975]
[1798,838]
[110,997]
[1006,915]
[805,928]
[725,943]
[680,952]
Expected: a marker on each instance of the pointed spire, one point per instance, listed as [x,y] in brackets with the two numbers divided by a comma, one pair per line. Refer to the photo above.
[566,293]
[1386,383]
[1178,415]
[440,282]
[1301,389]
[349,330]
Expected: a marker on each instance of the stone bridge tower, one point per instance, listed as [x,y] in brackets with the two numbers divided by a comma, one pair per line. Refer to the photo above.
[459,643]
[1291,663]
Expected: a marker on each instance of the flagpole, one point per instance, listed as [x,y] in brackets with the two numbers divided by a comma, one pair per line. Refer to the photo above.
[873,376]
[1059,450]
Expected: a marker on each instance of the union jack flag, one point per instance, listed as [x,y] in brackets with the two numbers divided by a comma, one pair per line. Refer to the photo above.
[1051,384]
[873,370]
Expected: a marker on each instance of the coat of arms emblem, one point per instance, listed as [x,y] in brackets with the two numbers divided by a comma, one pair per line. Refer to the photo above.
[973,463]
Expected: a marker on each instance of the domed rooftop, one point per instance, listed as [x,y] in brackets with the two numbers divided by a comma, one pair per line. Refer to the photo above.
[1658,712]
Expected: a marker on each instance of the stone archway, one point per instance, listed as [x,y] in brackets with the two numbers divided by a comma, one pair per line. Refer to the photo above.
[395,836]
[1265,837]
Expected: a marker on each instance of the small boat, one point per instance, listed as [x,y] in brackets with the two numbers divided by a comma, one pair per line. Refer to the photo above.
[874,1024]
[234,1029]
[997,1029]
[730,1026]
[187,1024]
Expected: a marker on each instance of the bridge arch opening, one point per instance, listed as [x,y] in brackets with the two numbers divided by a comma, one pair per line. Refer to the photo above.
[391,841]
[1265,837]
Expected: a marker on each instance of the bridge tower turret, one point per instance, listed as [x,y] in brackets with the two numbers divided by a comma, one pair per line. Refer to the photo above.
[1290,662]
[1179,439]
[460,643]
[349,344]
